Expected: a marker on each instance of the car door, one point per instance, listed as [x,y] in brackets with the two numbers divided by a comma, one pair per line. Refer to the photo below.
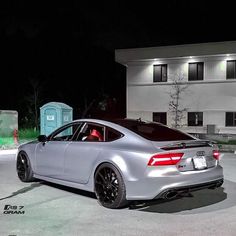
[82,153]
[50,155]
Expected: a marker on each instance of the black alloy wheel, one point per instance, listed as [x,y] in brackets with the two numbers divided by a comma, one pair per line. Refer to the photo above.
[109,187]
[23,167]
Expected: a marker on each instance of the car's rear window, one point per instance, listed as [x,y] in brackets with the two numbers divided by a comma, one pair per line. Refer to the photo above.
[153,131]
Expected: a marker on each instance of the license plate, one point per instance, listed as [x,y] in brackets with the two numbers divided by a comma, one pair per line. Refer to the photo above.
[199,162]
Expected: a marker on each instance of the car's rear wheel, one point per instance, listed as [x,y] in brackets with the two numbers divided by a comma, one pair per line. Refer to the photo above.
[23,167]
[109,186]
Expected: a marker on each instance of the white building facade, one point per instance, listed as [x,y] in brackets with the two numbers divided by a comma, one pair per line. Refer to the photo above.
[208,71]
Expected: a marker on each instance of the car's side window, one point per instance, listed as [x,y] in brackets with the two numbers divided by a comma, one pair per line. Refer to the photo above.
[91,133]
[112,135]
[66,133]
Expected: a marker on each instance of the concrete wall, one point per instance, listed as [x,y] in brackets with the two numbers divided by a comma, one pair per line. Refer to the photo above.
[213,96]
[8,123]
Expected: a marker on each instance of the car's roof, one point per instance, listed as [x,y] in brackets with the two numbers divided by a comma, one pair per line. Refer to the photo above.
[114,122]
[108,122]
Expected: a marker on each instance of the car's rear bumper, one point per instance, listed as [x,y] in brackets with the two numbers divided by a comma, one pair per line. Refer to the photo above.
[172,192]
[156,182]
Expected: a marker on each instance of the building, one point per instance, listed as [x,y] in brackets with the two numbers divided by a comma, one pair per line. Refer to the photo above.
[208,70]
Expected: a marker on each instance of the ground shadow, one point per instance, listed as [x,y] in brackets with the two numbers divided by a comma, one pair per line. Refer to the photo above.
[23,190]
[198,201]
[70,189]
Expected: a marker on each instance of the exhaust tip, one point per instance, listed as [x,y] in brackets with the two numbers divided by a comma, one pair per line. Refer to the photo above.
[170,195]
[217,185]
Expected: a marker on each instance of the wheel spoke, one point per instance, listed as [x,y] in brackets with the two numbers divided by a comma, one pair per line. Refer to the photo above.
[107,174]
[103,180]
[114,186]
[110,174]
[99,183]
[113,180]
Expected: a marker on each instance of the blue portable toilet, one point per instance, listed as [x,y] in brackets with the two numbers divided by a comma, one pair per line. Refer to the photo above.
[53,115]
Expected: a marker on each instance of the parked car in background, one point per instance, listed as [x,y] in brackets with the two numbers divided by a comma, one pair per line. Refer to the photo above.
[122,160]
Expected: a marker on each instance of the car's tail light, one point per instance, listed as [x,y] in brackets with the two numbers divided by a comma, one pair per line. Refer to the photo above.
[216,154]
[165,159]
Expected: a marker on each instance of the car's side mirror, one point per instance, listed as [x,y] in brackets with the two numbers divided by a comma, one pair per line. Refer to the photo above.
[42,138]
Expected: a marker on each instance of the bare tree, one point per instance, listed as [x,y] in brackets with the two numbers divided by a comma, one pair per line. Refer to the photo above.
[87,107]
[34,99]
[175,107]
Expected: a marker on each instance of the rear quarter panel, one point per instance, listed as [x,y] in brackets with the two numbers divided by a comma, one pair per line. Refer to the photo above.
[129,154]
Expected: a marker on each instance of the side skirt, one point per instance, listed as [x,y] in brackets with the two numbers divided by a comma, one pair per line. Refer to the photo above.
[85,187]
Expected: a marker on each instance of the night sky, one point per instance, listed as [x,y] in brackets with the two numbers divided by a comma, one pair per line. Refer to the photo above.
[67,49]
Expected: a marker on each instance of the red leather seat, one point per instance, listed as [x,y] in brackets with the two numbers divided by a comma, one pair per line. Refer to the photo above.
[94,136]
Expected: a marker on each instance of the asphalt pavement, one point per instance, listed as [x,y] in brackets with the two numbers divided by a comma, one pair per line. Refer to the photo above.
[42,208]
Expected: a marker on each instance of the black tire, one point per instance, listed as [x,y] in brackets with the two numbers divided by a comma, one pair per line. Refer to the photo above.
[23,167]
[109,187]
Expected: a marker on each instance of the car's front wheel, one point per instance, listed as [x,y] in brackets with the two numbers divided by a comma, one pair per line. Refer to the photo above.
[110,187]
[23,167]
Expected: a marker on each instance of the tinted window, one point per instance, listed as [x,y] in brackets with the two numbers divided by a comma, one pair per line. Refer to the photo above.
[153,131]
[195,71]
[230,119]
[159,117]
[112,134]
[195,118]
[231,70]
[160,73]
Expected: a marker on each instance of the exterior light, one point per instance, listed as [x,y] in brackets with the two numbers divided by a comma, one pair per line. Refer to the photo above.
[165,159]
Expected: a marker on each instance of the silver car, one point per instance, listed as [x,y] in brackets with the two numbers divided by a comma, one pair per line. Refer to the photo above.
[122,160]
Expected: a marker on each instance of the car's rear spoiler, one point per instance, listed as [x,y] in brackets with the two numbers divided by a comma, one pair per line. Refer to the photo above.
[189,144]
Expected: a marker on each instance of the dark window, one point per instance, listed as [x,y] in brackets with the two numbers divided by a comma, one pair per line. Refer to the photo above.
[112,135]
[195,71]
[230,119]
[195,118]
[160,73]
[231,70]
[159,117]
[153,131]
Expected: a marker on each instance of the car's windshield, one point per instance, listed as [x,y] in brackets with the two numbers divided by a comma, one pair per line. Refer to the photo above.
[153,131]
